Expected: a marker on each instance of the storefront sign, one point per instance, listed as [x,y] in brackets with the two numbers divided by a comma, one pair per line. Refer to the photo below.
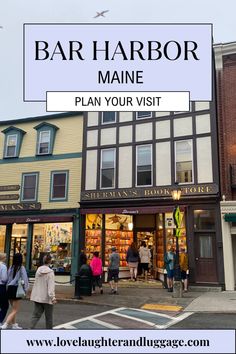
[20,206]
[157,192]
[9,197]
[13,187]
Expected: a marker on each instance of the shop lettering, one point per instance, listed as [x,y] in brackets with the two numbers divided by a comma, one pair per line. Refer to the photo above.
[149,192]
[32,220]
[20,206]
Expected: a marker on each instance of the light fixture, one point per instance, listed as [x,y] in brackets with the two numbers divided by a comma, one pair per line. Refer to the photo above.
[130,226]
[176,192]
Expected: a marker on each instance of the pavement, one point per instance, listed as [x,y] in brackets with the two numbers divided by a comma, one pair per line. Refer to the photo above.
[152,296]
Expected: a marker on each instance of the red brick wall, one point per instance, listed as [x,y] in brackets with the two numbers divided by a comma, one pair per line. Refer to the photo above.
[226,107]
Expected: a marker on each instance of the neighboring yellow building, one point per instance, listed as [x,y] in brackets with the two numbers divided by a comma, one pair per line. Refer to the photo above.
[40,181]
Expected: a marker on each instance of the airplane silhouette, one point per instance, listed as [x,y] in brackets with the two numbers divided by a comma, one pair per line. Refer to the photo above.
[101,13]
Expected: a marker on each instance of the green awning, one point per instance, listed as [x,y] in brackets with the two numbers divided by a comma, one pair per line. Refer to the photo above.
[230,217]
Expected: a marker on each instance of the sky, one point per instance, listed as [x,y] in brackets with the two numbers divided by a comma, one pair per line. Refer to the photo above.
[14,13]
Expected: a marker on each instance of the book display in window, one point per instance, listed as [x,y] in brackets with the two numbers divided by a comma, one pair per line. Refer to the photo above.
[93,242]
[121,240]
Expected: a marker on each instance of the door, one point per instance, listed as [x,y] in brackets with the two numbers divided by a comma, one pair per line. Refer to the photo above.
[205,258]
[19,241]
[149,238]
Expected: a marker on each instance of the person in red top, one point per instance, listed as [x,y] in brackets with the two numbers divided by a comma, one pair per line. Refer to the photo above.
[96,265]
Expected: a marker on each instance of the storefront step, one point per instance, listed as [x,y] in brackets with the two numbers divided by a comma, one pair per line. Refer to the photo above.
[205,288]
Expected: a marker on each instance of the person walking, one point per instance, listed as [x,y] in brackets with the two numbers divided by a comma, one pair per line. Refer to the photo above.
[132,258]
[43,294]
[15,274]
[96,266]
[113,270]
[169,260]
[183,262]
[145,256]
[4,304]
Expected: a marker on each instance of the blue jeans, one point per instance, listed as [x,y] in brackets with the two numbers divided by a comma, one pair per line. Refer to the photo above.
[4,304]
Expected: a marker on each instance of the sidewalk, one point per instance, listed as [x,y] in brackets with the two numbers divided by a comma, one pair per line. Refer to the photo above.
[151,295]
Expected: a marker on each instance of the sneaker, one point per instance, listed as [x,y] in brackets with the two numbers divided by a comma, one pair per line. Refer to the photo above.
[93,292]
[115,292]
[16,326]
[101,291]
[112,292]
[6,326]
[185,290]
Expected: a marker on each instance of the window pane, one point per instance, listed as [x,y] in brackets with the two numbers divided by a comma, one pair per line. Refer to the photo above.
[59,186]
[2,237]
[108,178]
[205,247]
[44,142]
[108,117]
[108,159]
[144,155]
[184,168]
[204,219]
[11,145]
[144,178]
[144,115]
[29,192]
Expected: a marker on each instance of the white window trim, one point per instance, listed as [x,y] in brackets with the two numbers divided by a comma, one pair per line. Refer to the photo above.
[136,167]
[23,187]
[40,134]
[113,149]
[52,184]
[106,123]
[143,117]
[178,141]
[8,137]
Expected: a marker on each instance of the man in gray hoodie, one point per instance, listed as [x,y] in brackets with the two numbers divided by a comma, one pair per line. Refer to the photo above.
[43,294]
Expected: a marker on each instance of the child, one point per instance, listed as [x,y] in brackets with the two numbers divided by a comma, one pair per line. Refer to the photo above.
[96,266]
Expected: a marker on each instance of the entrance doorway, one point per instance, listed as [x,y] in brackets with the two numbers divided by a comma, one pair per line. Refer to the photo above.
[19,241]
[148,237]
[205,260]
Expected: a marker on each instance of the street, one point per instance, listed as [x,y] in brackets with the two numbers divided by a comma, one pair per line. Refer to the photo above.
[87,316]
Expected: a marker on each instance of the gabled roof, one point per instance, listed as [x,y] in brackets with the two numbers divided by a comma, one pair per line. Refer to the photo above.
[13,128]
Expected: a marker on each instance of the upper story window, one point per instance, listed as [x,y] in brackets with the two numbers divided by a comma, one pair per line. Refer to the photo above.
[11,146]
[108,168]
[144,165]
[29,187]
[183,161]
[108,117]
[44,142]
[46,133]
[59,185]
[13,140]
[142,115]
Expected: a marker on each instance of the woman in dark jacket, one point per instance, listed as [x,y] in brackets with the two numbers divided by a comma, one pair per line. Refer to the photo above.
[132,258]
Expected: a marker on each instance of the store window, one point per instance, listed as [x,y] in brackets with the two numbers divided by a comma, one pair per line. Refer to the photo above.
[205,246]
[44,142]
[108,117]
[59,185]
[55,239]
[142,115]
[144,165]
[93,234]
[11,144]
[183,161]
[170,234]
[19,241]
[204,219]
[119,233]
[108,168]
[29,186]
[2,237]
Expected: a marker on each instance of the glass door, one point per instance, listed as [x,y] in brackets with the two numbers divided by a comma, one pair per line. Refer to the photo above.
[19,241]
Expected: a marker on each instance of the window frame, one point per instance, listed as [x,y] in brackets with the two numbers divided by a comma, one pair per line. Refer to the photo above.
[136,166]
[105,123]
[23,186]
[175,162]
[49,143]
[114,164]
[7,139]
[143,117]
[61,199]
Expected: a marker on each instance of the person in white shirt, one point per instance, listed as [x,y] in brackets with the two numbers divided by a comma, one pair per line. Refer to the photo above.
[4,304]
